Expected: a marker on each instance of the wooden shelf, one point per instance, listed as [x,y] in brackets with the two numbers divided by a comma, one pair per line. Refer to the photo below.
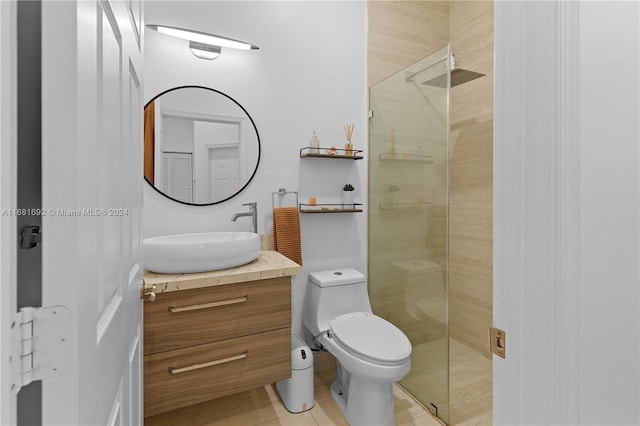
[307,152]
[331,208]
[406,158]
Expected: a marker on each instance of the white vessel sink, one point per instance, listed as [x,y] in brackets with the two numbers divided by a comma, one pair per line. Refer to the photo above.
[188,253]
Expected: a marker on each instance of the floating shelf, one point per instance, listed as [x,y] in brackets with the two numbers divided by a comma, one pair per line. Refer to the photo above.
[406,158]
[324,153]
[331,208]
[404,206]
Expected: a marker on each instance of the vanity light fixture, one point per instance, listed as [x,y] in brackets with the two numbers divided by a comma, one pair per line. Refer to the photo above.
[203,45]
[204,51]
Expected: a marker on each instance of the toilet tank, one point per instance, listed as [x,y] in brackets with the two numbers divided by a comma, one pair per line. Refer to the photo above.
[332,293]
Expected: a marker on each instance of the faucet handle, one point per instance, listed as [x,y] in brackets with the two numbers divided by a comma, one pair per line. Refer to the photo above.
[253,212]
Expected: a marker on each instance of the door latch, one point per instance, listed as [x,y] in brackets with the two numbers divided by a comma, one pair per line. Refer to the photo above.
[498,341]
[30,237]
[149,290]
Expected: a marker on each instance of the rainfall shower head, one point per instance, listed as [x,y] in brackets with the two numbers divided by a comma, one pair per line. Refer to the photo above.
[458,76]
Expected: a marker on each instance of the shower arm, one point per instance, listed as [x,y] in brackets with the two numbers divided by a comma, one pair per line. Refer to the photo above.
[452,65]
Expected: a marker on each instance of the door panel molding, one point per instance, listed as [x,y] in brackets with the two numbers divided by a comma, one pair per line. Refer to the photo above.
[8,199]
[536,212]
[566,280]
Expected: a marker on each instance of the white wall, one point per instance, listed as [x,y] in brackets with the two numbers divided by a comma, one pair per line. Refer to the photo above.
[177,135]
[566,212]
[309,74]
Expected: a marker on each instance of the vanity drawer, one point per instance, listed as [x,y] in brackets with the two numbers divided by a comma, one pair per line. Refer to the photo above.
[193,317]
[188,376]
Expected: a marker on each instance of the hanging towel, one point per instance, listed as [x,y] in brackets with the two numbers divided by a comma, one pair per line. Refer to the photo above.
[286,233]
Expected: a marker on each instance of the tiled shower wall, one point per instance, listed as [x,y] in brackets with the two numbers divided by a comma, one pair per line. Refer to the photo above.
[471,177]
[403,32]
[400,33]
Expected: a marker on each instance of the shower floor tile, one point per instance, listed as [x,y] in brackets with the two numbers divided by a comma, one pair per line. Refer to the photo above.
[470,386]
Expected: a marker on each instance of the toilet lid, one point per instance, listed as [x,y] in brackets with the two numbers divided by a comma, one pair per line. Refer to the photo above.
[371,337]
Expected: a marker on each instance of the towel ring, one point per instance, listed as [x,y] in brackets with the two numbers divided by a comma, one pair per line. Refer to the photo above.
[278,198]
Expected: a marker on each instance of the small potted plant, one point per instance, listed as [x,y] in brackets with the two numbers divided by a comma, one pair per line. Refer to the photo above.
[347,196]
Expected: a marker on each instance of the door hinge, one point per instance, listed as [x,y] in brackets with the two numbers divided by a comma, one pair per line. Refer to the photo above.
[40,344]
[498,341]
[433,408]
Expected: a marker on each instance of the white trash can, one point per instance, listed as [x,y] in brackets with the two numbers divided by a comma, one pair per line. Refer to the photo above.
[297,392]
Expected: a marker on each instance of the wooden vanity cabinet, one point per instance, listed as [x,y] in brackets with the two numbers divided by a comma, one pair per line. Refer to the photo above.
[211,342]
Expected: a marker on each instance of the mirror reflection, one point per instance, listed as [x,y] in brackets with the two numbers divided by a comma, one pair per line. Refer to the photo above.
[201,147]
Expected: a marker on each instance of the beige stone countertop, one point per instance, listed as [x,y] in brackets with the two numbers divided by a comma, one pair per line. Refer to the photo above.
[269,264]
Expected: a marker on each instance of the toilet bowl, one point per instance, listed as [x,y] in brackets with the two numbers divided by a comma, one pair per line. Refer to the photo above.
[371,353]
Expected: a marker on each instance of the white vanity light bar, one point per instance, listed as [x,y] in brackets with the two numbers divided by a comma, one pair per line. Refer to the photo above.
[200,37]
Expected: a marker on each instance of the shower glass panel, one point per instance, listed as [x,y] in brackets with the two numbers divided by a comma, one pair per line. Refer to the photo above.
[408,218]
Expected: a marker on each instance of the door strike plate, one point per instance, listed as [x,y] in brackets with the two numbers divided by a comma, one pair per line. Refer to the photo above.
[498,341]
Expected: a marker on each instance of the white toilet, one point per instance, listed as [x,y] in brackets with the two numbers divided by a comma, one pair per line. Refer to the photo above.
[371,353]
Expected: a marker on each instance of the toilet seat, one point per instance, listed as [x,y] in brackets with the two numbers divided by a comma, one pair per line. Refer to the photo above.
[371,338]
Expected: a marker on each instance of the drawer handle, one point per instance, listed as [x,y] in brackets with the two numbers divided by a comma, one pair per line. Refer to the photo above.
[173,309]
[174,370]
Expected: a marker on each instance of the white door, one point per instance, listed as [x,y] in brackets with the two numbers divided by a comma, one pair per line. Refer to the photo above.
[217,160]
[177,176]
[224,164]
[566,209]
[92,165]
[8,196]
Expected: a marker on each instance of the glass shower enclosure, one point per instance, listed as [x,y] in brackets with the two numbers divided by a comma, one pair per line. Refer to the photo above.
[408,218]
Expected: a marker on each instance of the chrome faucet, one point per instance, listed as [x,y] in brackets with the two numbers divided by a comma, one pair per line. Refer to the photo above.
[253,213]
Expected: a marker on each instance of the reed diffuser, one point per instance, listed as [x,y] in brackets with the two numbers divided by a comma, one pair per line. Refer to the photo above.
[348,132]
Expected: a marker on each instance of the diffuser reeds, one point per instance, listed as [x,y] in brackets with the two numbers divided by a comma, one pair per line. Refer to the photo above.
[348,132]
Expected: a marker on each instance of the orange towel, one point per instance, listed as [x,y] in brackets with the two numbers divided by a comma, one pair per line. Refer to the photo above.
[286,233]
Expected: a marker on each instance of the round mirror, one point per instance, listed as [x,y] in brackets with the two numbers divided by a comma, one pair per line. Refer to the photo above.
[201,147]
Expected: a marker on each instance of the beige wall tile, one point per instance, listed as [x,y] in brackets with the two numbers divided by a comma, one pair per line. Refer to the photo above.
[402,32]
[471,176]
